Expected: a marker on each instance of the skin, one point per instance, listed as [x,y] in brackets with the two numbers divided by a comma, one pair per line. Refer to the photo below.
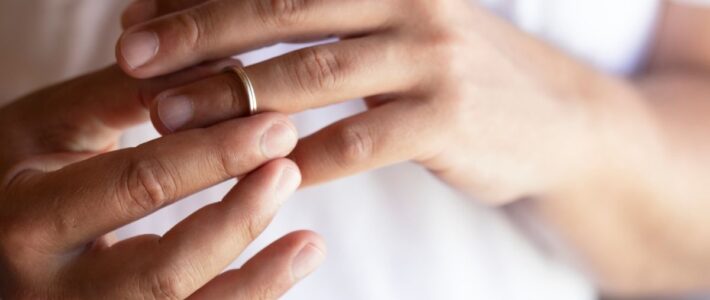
[64,189]
[614,165]
[621,174]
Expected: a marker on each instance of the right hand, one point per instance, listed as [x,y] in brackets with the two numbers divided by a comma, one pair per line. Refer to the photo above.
[63,191]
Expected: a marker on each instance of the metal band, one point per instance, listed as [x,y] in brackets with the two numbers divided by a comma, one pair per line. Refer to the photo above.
[248,87]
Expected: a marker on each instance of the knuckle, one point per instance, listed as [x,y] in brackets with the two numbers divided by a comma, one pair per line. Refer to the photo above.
[165,286]
[266,292]
[455,105]
[25,235]
[149,185]
[236,92]
[445,50]
[280,13]
[444,45]
[353,144]
[21,244]
[194,26]
[434,11]
[251,227]
[230,160]
[318,69]
[12,241]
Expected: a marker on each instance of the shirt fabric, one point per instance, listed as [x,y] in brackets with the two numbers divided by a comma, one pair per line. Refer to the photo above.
[393,233]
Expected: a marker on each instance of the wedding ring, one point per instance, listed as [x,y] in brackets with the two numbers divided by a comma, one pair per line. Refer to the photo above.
[248,86]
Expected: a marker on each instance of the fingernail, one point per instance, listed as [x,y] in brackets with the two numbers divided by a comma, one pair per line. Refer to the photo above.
[138,48]
[139,12]
[306,261]
[278,141]
[175,111]
[288,182]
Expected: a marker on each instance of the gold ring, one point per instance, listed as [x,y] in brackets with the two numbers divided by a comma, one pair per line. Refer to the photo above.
[248,86]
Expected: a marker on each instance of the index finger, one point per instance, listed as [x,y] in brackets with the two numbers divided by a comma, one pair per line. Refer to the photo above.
[83,201]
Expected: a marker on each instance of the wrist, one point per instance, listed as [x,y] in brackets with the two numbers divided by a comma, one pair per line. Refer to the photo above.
[611,133]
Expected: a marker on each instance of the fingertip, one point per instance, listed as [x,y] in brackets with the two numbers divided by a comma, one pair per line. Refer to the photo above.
[275,180]
[309,258]
[272,271]
[136,51]
[174,111]
[300,252]
[155,119]
[285,176]
[280,164]
[276,117]
[303,237]
[123,64]
[289,182]
[290,164]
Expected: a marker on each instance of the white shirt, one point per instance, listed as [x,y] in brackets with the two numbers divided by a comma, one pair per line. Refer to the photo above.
[394,233]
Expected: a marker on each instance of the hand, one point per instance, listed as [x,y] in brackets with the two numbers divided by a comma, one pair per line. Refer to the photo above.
[447,85]
[63,191]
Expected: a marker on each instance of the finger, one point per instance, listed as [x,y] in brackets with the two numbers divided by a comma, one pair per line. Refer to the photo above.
[270,273]
[223,28]
[111,239]
[93,197]
[88,113]
[298,81]
[205,243]
[14,174]
[144,10]
[394,132]
[121,268]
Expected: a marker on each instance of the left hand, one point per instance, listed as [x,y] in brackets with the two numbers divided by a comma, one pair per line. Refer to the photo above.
[483,106]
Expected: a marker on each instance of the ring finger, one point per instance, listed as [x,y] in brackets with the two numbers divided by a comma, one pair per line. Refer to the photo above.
[305,79]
